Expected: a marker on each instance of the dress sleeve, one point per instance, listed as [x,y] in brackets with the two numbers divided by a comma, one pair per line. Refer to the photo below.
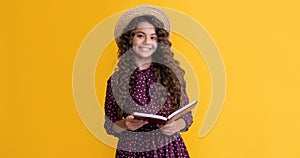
[111,111]
[188,118]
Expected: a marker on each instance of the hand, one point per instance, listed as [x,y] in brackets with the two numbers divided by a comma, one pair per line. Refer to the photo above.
[172,127]
[132,124]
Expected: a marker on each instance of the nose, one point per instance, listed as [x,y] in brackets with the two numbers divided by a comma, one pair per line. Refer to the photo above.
[147,41]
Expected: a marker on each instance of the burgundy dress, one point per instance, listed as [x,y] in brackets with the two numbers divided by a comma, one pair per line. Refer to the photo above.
[147,141]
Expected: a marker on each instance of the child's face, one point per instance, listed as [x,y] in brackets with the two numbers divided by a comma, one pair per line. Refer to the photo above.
[144,42]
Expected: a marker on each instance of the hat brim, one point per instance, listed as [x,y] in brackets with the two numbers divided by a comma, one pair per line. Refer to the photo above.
[141,10]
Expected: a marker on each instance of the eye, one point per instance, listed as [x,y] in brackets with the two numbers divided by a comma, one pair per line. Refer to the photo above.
[154,38]
[140,36]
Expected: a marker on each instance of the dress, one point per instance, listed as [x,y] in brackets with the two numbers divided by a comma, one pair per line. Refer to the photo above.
[147,141]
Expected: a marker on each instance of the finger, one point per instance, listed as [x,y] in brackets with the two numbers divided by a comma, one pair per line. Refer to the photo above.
[168,127]
[133,126]
[171,123]
[137,121]
[130,117]
[168,133]
[138,124]
[169,130]
[159,125]
[142,123]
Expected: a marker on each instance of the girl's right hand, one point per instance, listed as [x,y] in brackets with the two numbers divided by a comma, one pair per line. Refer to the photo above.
[132,124]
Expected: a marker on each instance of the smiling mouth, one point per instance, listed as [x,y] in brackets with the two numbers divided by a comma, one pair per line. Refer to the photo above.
[145,49]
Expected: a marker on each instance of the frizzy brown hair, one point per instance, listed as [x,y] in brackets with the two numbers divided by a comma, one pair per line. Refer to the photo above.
[167,71]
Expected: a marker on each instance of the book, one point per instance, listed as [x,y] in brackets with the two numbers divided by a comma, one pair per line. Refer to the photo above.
[164,120]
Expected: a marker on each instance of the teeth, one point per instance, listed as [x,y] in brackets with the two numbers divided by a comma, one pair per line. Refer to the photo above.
[145,49]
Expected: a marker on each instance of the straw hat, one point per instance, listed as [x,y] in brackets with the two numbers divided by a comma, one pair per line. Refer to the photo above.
[141,10]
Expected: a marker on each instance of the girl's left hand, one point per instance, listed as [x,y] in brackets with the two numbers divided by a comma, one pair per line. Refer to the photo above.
[172,127]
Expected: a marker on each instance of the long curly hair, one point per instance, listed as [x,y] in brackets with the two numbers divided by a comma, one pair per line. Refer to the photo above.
[167,71]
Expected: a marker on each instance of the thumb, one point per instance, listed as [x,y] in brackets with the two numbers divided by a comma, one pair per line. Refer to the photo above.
[145,122]
[130,117]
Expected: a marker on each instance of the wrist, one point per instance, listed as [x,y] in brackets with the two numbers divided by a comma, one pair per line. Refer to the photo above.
[120,126]
[123,124]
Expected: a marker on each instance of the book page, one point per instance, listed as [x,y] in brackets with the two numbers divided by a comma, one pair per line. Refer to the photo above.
[180,112]
[161,119]
[140,115]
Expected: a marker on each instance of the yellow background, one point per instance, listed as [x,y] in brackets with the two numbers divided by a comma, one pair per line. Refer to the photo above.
[258,40]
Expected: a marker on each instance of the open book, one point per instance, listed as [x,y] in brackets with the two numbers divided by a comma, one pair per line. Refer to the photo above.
[164,120]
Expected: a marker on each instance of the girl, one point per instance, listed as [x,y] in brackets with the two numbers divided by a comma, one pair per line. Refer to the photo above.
[148,79]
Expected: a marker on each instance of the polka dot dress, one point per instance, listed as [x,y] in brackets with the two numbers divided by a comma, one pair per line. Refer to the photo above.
[147,141]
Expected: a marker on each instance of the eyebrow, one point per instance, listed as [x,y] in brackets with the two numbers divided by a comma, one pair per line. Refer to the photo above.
[145,33]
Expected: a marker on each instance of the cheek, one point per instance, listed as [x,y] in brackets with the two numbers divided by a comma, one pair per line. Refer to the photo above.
[155,45]
[135,42]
